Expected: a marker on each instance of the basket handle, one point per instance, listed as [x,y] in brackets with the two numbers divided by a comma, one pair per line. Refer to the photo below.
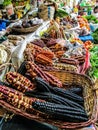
[7,64]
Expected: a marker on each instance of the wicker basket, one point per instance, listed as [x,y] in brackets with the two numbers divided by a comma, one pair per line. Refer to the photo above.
[70,61]
[26,30]
[4,68]
[8,53]
[89,97]
[6,65]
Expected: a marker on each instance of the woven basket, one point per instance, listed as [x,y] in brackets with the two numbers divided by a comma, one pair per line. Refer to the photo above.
[8,53]
[70,61]
[4,68]
[89,98]
[26,30]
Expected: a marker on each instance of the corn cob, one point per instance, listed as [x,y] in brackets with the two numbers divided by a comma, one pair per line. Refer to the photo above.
[43,86]
[38,50]
[56,47]
[53,80]
[44,75]
[31,51]
[77,90]
[69,61]
[48,96]
[13,96]
[39,42]
[40,58]
[47,67]
[69,95]
[59,54]
[61,112]
[17,99]
[45,97]
[47,53]
[29,55]
[34,47]
[33,68]
[67,67]
[22,69]
[20,82]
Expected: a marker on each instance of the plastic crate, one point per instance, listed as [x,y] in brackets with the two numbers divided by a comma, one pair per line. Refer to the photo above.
[2,25]
[86,38]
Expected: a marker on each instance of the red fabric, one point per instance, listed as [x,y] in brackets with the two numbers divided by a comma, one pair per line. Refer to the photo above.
[86,65]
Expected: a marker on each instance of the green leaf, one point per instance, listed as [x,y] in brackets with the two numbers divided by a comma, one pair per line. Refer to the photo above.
[96,74]
[7,2]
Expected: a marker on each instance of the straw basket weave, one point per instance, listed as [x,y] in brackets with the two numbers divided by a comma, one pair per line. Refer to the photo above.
[26,30]
[6,65]
[8,53]
[2,66]
[90,103]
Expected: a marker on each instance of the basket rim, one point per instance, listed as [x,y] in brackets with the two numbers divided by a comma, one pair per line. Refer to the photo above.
[59,124]
[75,73]
[26,30]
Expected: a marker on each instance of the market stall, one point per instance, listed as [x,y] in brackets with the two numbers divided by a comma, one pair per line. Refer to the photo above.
[48,67]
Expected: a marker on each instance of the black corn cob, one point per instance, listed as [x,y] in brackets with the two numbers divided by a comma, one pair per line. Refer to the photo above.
[47,97]
[55,98]
[22,69]
[45,87]
[42,85]
[76,90]
[61,111]
[69,95]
